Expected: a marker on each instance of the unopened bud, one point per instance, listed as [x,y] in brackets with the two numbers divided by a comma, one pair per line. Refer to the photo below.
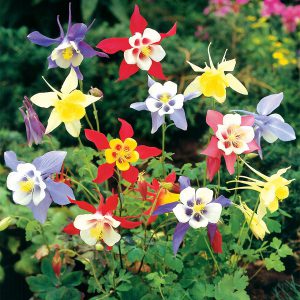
[56,263]
[95,92]
[4,223]
[251,155]
[99,247]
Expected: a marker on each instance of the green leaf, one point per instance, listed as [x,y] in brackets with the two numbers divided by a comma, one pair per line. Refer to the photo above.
[135,255]
[64,293]
[284,251]
[124,287]
[201,290]
[13,245]
[31,229]
[39,283]
[87,8]
[274,262]
[173,263]
[71,279]
[276,243]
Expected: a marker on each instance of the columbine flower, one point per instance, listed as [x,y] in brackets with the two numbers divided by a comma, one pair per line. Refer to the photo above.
[213,82]
[69,105]
[164,100]
[272,190]
[120,153]
[270,126]
[71,48]
[35,130]
[233,135]
[255,222]
[32,185]
[100,223]
[141,51]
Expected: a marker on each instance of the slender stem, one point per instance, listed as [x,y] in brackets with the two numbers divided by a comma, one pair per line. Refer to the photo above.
[255,208]
[86,190]
[161,293]
[95,112]
[44,237]
[120,213]
[212,255]
[219,184]
[88,121]
[261,267]
[237,178]
[163,131]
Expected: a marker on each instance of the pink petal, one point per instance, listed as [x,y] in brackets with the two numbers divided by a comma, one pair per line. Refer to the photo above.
[252,147]
[213,166]
[247,120]
[230,161]
[213,118]
[212,149]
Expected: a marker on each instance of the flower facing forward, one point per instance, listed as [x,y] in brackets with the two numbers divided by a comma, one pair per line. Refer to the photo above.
[268,125]
[233,135]
[163,100]
[141,51]
[68,105]
[35,130]
[213,82]
[120,153]
[99,224]
[71,49]
[32,185]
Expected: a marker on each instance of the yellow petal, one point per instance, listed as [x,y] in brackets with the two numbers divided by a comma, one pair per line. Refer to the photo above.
[227,65]
[273,206]
[236,85]
[116,144]
[122,164]
[132,156]
[73,128]
[70,83]
[193,87]
[168,197]
[44,99]
[53,121]
[110,156]
[267,195]
[282,192]
[129,144]
[196,68]
[89,99]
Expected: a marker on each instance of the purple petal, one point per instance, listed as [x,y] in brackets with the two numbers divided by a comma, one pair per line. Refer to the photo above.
[139,106]
[70,19]
[191,96]
[77,32]
[166,208]
[40,39]
[150,81]
[78,73]
[62,34]
[179,119]
[50,163]
[257,138]
[282,130]
[179,234]
[51,63]
[211,230]
[40,211]
[157,121]
[11,160]
[184,182]
[223,201]
[59,192]
[87,51]
[267,104]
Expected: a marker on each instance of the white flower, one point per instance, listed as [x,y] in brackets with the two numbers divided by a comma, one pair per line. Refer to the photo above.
[196,207]
[96,227]
[144,49]
[27,185]
[233,137]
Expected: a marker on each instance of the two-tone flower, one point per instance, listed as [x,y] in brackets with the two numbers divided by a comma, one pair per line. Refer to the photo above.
[120,153]
[32,184]
[141,51]
[99,224]
[68,105]
[163,100]
[71,49]
[233,135]
[213,82]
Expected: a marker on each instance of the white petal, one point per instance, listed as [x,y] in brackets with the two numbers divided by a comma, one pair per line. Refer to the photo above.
[87,238]
[44,99]
[180,213]
[27,167]
[232,119]
[178,99]
[203,222]
[248,133]
[53,121]
[70,83]
[227,150]
[170,88]
[269,136]
[152,35]
[76,59]
[277,116]
[205,194]
[156,90]
[111,221]
[187,194]
[86,221]
[130,57]
[166,110]
[22,198]
[134,41]
[236,85]
[110,236]
[221,129]
[73,128]
[89,99]
[152,104]
[193,87]
[196,68]
[144,63]
[13,180]
[38,196]
[62,63]
[157,53]
[213,212]
[227,65]
[244,147]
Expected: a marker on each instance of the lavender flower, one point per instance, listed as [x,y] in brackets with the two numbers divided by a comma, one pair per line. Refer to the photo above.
[164,100]
[32,185]
[71,48]
[35,130]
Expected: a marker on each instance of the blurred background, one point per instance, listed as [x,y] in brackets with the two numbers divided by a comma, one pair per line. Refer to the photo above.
[265,43]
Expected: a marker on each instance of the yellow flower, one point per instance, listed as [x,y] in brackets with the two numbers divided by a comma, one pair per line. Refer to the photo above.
[122,153]
[255,222]
[68,105]
[251,18]
[272,38]
[213,82]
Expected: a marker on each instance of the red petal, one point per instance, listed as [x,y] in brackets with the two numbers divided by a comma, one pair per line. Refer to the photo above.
[70,229]
[143,189]
[213,118]
[156,70]
[217,242]
[127,224]
[212,149]
[127,70]
[114,45]
[252,147]
[137,21]
[171,32]
[105,171]
[247,120]
[84,205]
[98,138]
[230,161]
[171,177]
[126,130]
[155,184]
[110,204]
[131,175]
[213,166]
[146,152]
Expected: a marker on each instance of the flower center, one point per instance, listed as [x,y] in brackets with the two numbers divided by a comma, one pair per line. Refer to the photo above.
[97,232]
[27,185]
[199,207]
[213,83]
[146,50]
[67,53]
[165,97]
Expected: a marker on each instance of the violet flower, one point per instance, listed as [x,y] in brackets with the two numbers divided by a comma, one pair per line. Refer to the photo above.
[270,126]
[32,185]
[71,48]
[164,100]
[35,130]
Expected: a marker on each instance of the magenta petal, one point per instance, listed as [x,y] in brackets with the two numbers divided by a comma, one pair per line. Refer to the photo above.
[179,234]
[213,118]
[213,166]
[230,161]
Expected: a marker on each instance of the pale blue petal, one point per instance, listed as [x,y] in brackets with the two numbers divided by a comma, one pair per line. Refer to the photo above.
[191,96]
[184,182]
[59,192]
[150,81]
[11,160]
[40,211]
[157,121]
[179,119]
[283,131]
[139,106]
[269,103]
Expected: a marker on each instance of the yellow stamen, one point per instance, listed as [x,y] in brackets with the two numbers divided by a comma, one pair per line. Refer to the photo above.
[26,186]
[165,97]
[146,50]
[199,207]
[97,232]
[67,53]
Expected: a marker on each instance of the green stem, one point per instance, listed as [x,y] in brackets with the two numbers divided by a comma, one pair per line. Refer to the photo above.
[163,131]
[88,121]
[95,112]
[120,213]
[212,255]
[255,208]
[85,190]
[219,184]
[44,237]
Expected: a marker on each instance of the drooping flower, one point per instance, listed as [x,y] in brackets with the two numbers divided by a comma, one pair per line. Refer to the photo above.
[272,189]
[32,185]
[213,82]
[35,130]
[233,135]
[68,105]
[141,51]
[270,126]
[120,153]
[71,49]
[163,100]
[100,223]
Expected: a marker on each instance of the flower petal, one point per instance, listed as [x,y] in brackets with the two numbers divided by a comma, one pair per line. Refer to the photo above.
[70,83]
[195,223]
[157,53]
[105,172]
[205,195]
[269,103]
[87,51]
[44,100]
[230,161]
[113,45]
[166,208]
[70,229]
[227,65]
[179,119]
[137,21]
[40,211]
[213,166]
[146,152]
[187,194]
[53,121]
[171,32]
[212,149]
[39,39]
[127,70]
[144,62]
[84,205]
[84,222]
[130,56]
[156,70]
[87,237]
[184,182]
[126,130]
[98,138]
[11,160]
[236,85]
[180,213]
[213,212]
[152,35]
[131,175]
[193,87]
[213,119]
[157,121]
[179,233]
[110,236]
[139,106]
[59,192]
[73,128]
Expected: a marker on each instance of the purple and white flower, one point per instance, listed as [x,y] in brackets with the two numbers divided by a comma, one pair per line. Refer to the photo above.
[32,185]
[71,49]
[270,126]
[163,100]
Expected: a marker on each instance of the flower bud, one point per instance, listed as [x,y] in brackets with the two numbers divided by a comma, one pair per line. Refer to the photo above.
[6,222]
[56,263]
[95,92]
